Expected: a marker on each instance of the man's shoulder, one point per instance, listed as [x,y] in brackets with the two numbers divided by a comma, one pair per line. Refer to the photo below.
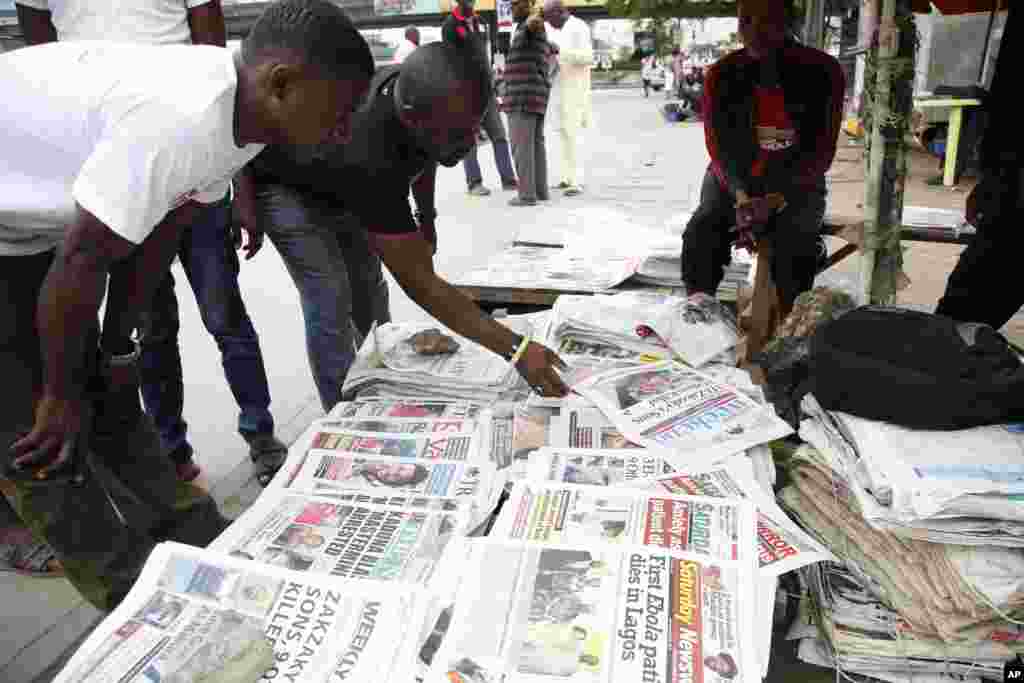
[811,56]
[734,59]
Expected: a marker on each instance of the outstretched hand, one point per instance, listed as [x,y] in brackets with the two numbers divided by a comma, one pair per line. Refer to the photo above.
[538,366]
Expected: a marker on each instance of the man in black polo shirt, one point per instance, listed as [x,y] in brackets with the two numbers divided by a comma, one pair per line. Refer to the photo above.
[335,212]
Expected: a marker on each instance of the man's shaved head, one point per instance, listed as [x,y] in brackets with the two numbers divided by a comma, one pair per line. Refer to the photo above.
[763,25]
[412,34]
[555,13]
[442,92]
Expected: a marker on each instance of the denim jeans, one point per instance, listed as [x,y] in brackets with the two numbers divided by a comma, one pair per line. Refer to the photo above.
[102,556]
[340,281]
[211,266]
[495,129]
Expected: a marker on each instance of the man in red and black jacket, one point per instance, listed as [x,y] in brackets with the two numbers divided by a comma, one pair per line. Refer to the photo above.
[463,26]
[771,120]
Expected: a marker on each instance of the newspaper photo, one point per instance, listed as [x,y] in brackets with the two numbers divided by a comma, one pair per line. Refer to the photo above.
[682,412]
[342,539]
[599,615]
[196,615]
[540,512]
[444,445]
[581,424]
[398,425]
[596,467]
[406,407]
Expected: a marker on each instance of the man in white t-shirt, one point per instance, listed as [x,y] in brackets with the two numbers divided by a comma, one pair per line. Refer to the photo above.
[208,248]
[411,42]
[105,152]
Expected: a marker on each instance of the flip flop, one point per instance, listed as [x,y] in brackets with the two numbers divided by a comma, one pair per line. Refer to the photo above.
[21,553]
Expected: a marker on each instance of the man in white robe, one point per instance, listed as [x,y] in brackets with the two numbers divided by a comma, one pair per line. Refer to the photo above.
[575,59]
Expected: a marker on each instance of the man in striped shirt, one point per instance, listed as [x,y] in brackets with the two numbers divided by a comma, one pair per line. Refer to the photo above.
[528,85]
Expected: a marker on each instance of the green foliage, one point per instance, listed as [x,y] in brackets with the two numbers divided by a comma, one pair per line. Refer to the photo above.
[671,9]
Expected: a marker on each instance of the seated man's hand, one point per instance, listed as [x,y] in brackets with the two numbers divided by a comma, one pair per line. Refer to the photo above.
[537,366]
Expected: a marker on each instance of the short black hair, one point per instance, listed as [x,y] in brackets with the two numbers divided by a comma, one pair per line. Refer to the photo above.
[316,32]
[433,72]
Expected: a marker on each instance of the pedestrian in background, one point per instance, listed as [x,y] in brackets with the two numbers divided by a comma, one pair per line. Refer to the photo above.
[528,86]
[460,26]
[410,43]
[575,60]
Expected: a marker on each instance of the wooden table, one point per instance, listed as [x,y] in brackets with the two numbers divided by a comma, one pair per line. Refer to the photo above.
[526,300]
[956,117]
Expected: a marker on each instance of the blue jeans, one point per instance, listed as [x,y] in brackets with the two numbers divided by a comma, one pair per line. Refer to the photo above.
[340,281]
[211,266]
[502,158]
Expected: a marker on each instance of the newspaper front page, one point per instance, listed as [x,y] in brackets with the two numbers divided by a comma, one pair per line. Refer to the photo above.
[348,540]
[600,614]
[683,412]
[539,512]
[581,424]
[195,615]
[596,467]
[406,407]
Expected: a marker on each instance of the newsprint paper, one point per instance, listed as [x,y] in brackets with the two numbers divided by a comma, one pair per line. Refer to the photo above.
[194,615]
[348,540]
[601,614]
[680,411]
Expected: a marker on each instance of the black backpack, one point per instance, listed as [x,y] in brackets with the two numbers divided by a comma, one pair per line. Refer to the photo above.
[915,369]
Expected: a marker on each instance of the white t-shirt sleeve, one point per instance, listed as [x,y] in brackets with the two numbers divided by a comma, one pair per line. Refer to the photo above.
[192,4]
[34,4]
[130,184]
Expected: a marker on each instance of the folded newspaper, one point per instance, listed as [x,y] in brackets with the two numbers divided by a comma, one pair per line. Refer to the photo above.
[601,613]
[684,413]
[953,594]
[696,328]
[918,483]
[781,545]
[197,616]
[422,471]
[565,270]
[388,365]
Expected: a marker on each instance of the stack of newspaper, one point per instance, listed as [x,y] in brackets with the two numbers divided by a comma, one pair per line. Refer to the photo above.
[664,269]
[942,602]
[407,453]
[697,329]
[780,545]
[391,364]
[949,487]
[560,269]
[654,603]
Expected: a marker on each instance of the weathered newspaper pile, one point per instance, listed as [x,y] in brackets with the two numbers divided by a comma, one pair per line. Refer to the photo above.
[561,269]
[664,268]
[844,626]
[963,487]
[390,365]
[196,615]
[415,463]
[781,546]
[951,602]
[604,612]
[690,417]
[697,328]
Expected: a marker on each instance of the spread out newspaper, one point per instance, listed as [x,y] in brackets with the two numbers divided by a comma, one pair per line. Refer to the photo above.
[684,413]
[602,613]
[423,471]
[596,467]
[345,539]
[406,407]
[197,615]
[581,424]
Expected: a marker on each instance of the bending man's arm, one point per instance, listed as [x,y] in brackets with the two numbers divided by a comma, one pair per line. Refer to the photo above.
[409,259]
[423,189]
[206,24]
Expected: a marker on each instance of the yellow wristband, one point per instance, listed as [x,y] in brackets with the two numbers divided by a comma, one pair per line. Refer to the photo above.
[520,351]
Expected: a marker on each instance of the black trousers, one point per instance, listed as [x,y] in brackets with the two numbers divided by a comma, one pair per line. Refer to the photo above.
[708,239]
[980,289]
